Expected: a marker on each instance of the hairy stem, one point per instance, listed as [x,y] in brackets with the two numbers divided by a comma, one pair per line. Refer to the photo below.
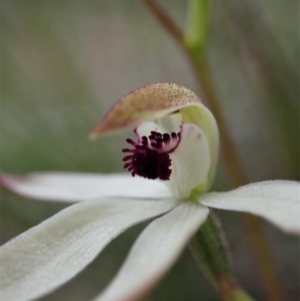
[253,226]
[209,251]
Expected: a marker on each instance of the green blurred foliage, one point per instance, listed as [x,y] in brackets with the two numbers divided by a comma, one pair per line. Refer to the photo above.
[63,64]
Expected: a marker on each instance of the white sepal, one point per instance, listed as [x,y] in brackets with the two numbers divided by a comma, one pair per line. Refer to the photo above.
[48,255]
[154,252]
[276,201]
[74,187]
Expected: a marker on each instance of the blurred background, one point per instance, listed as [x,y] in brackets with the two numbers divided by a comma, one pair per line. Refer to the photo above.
[64,63]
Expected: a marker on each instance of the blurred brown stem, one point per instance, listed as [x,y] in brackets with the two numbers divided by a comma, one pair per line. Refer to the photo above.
[253,226]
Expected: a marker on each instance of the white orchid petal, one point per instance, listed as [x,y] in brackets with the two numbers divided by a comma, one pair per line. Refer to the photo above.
[145,129]
[276,201]
[190,161]
[154,252]
[204,119]
[171,123]
[72,187]
[48,255]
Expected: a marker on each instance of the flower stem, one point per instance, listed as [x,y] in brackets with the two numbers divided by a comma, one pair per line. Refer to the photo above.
[165,21]
[197,58]
[209,251]
[253,226]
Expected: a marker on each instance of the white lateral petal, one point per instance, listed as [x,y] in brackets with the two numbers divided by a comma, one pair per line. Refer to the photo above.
[154,252]
[73,187]
[276,201]
[48,255]
[190,162]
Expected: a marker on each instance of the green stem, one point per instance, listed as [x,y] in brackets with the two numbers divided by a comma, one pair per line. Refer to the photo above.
[197,24]
[197,58]
[230,291]
[253,226]
[208,249]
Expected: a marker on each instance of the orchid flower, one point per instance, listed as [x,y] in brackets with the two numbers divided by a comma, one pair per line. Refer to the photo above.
[172,164]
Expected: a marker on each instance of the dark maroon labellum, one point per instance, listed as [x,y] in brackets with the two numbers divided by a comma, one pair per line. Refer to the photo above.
[150,157]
